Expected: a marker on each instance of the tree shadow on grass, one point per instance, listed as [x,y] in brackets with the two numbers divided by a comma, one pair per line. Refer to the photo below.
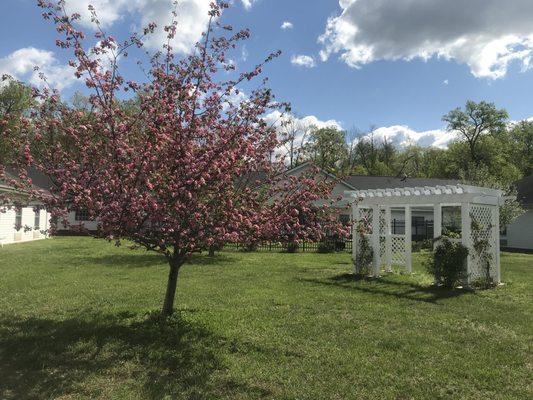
[218,259]
[133,260]
[390,287]
[150,259]
[97,354]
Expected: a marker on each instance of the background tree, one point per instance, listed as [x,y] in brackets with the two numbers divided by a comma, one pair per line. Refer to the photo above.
[375,156]
[327,148]
[474,122]
[294,134]
[521,144]
[15,100]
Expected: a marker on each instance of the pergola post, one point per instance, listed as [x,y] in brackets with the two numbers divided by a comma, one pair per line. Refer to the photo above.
[355,236]
[375,240]
[388,240]
[466,227]
[408,240]
[496,237]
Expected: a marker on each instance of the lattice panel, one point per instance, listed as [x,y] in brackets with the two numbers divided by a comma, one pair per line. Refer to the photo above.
[382,237]
[382,222]
[482,230]
[398,256]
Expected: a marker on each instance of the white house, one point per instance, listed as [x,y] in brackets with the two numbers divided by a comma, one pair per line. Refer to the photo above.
[519,235]
[22,224]
[77,221]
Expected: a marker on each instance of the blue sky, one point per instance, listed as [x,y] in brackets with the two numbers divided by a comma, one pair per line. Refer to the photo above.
[409,62]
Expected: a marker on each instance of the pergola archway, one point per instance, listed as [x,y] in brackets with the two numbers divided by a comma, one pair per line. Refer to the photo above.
[479,205]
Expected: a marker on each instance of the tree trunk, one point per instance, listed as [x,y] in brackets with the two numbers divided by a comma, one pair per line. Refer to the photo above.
[211,251]
[168,305]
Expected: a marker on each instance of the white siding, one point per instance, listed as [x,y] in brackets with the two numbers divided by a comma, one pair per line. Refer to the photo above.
[90,225]
[520,232]
[7,226]
[8,234]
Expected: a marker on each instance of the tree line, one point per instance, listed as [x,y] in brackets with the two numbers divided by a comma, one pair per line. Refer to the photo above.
[488,150]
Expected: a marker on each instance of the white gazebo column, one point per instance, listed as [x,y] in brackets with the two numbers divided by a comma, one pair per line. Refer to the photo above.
[408,240]
[375,240]
[388,240]
[355,234]
[437,222]
[496,238]
[466,227]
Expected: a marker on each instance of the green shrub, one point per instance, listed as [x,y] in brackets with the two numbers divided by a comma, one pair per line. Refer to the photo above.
[448,263]
[292,247]
[250,247]
[340,245]
[325,247]
[451,232]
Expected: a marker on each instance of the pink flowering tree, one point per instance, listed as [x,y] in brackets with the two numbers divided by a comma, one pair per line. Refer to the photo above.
[163,172]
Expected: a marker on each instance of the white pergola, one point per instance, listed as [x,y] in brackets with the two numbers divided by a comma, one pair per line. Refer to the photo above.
[476,203]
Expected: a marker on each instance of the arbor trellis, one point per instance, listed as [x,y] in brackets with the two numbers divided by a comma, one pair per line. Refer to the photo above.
[479,222]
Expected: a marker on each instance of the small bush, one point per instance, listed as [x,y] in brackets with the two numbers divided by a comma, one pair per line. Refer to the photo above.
[250,247]
[340,245]
[292,247]
[325,247]
[448,264]
[484,283]
[452,233]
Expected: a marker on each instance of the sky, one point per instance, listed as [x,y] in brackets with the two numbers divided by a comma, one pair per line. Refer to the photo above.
[396,65]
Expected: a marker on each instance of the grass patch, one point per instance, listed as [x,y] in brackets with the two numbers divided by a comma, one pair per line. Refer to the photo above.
[77,322]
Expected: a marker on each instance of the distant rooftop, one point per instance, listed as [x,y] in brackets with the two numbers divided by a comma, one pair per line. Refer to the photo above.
[362,182]
[39,180]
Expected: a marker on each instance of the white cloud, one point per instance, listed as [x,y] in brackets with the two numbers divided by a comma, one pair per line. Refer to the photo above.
[192,21]
[303,61]
[402,136]
[192,18]
[108,11]
[287,25]
[486,35]
[247,4]
[298,127]
[276,119]
[20,64]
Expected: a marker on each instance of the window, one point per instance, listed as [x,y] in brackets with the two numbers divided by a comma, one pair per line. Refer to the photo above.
[82,215]
[37,219]
[18,219]
[398,227]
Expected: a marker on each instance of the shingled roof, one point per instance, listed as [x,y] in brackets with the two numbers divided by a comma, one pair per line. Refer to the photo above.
[39,180]
[361,182]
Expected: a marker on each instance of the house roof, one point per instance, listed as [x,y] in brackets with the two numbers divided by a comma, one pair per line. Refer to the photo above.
[361,182]
[525,191]
[309,164]
[39,181]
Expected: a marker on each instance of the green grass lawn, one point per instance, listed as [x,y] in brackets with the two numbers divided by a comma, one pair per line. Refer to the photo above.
[77,322]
